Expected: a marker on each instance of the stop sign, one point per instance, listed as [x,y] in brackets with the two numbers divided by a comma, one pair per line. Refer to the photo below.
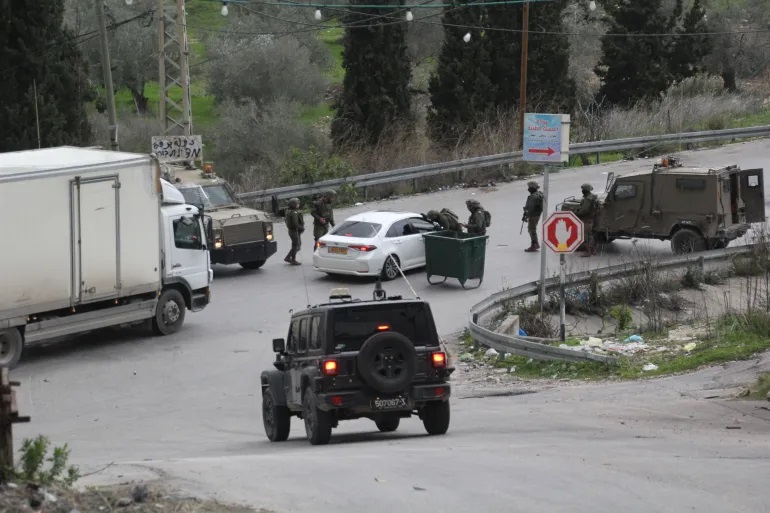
[563,232]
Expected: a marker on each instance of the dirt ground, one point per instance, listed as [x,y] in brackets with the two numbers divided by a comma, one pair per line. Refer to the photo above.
[15,498]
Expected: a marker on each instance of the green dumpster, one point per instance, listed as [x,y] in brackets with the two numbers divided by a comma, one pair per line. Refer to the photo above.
[453,254]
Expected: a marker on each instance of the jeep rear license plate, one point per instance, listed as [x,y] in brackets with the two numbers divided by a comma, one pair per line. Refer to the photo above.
[340,251]
[393,403]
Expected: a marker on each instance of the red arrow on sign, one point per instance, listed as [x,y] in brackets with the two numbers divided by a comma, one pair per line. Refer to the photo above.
[548,152]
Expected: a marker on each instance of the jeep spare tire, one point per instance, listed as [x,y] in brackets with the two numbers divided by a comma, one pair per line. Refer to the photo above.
[387,362]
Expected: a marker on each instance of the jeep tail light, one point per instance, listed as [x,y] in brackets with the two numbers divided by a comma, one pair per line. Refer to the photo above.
[329,367]
[337,400]
[438,360]
[363,248]
[383,327]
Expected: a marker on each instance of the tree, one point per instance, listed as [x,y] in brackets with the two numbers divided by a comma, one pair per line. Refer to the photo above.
[461,91]
[375,91]
[690,48]
[36,52]
[634,67]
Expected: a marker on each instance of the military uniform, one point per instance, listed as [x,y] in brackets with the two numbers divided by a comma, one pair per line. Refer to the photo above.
[587,211]
[295,223]
[446,221]
[477,223]
[533,210]
[323,215]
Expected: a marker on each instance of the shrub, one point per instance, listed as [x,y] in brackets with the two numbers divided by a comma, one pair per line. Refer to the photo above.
[34,455]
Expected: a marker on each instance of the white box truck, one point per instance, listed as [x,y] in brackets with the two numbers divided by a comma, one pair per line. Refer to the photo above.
[91,239]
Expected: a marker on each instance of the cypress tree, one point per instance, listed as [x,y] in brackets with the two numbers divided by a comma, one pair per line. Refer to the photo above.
[689,51]
[36,52]
[635,68]
[375,92]
[461,92]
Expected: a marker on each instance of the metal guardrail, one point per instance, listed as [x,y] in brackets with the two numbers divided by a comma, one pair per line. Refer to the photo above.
[415,172]
[540,349]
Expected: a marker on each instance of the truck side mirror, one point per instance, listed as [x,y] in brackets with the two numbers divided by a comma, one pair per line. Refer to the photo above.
[279,345]
[209,224]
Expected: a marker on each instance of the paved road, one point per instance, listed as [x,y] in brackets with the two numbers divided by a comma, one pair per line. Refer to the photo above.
[189,404]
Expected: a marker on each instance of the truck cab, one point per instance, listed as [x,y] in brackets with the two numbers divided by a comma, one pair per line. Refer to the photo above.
[240,235]
[696,208]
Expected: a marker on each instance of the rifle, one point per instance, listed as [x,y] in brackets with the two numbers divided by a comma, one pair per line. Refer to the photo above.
[522,227]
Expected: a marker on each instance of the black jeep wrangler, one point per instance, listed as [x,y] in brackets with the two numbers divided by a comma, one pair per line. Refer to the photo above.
[351,359]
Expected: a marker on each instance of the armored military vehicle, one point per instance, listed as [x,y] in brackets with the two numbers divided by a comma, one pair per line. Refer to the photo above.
[240,235]
[696,208]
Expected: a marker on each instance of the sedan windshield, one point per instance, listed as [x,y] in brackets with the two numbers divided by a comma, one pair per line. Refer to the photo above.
[358,229]
[209,196]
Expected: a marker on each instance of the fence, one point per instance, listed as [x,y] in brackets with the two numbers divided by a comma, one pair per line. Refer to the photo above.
[413,173]
[540,349]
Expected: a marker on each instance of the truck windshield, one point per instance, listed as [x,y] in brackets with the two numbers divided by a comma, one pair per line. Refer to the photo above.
[352,326]
[210,196]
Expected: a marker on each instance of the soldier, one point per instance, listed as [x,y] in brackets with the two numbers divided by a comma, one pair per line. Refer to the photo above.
[445,220]
[295,223]
[587,211]
[323,214]
[477,223]
[533,209]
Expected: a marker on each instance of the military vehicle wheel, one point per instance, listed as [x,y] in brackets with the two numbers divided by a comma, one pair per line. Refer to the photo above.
[255,264]
[277,419]
[388,422]
[11,347]
[170,312]
[390,268]
[387,361]
[435,417]
[687,240]
[318,424]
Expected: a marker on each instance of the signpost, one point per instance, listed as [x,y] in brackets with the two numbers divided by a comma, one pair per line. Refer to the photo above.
[178,148]
[546,140]
[562,233]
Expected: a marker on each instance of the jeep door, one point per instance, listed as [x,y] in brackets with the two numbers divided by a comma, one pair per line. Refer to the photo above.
[623,206]
[292,381]
[752,189]
[299,359]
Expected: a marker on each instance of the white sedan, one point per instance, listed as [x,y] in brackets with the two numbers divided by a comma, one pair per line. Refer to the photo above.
[361,244]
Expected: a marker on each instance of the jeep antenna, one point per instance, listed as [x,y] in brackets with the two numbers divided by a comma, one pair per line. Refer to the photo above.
[395,262]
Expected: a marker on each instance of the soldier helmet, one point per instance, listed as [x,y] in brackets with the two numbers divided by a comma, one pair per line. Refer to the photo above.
[294,202]
[473,203]
[432,215]
[533,185]
[587,187]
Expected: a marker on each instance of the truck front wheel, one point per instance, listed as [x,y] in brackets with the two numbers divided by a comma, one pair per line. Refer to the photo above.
[11,346]
[170,312]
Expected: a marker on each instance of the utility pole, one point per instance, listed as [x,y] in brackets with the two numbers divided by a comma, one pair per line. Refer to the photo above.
[524,58]
[174,69]
[107,72]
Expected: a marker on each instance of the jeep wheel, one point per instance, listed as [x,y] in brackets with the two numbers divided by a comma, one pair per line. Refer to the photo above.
[388,422]
[276,419]
[435,417]
[318,424]
[386,362]
[255,264]
[687,240]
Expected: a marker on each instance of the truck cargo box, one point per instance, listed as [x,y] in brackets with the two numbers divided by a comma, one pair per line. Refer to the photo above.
[78,226]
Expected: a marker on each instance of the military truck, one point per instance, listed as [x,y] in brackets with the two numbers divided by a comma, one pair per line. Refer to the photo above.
[240,235]
[696,208]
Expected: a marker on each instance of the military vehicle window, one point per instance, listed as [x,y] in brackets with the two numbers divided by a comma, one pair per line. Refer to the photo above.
[399,229]
[315,332]
[358,229]
[753,180]
[353,326]
[303,336]
[291,344]
[187,233]
[690,184]
[421,225]
[625,191]
[209,196]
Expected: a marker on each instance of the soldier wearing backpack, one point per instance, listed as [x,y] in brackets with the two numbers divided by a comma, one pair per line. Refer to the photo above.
[479,219]
[447,219]
[587,210]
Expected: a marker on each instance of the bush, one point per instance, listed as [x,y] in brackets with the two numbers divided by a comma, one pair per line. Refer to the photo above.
[622,315]
[32,469]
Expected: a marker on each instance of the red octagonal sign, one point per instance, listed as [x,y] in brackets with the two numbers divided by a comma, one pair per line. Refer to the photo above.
[563,232]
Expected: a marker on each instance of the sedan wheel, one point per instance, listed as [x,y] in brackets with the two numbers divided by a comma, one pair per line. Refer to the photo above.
[390,268]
